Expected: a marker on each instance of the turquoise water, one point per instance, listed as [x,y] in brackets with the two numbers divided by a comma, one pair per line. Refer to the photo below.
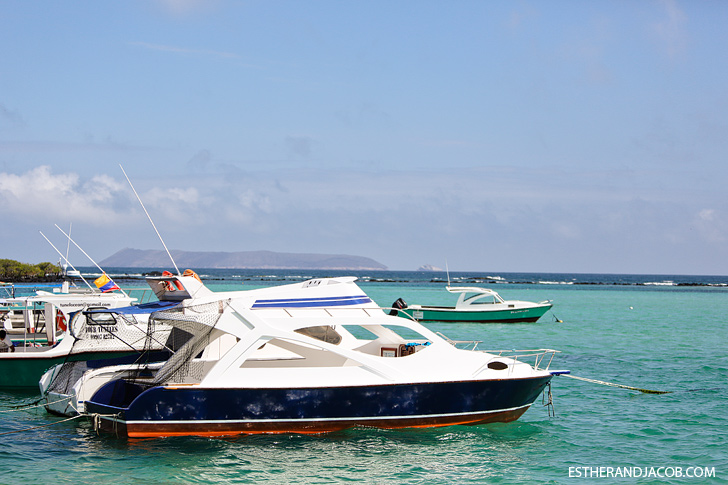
[660,338]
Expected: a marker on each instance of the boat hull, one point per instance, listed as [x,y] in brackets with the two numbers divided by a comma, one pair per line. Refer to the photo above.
[128,409]
[443,314]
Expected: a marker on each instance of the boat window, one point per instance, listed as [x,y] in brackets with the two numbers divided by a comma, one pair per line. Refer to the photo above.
[101,318]
[484,300]
[405,333]
[387,340]
[359,332]
[362,332]
[325,333]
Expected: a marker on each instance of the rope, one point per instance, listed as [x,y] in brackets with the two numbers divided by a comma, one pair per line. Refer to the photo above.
[96,420]
[594,381]
[22,406]
[42,425]
[32,405]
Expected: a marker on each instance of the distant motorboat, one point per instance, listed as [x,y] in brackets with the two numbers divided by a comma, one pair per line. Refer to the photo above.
[476,305]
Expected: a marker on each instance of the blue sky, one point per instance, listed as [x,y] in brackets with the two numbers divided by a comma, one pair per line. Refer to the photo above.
[497,136]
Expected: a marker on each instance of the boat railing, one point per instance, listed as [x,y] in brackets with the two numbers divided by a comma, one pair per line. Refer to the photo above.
[460,344]
[539,359]
[143,295]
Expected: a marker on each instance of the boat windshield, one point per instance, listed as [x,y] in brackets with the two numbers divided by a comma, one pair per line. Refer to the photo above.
[482,299]
[325,333]
[391,333]
[100,318]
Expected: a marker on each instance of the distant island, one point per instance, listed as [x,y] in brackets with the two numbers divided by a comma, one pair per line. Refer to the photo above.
[429,267]
[152,258]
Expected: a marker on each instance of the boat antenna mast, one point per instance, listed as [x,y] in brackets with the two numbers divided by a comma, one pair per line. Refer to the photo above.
[447,270]
[65,258]
[68,243]
[150,220]
[86,254]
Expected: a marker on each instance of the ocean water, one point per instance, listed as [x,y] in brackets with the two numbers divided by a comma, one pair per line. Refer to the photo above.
[666,333]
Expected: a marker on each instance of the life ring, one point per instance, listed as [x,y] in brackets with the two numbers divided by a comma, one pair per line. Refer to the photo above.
[189,272]
[169,285]
[61,321]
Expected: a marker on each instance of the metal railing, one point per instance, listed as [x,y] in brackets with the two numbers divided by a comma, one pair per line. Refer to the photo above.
[538,356]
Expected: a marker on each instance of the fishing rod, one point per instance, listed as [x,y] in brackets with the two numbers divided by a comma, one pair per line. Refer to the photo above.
[150,220]
[85,254]
[68,243]
[65,258]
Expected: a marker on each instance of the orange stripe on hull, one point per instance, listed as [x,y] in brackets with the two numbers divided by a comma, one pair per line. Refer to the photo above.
[218,430]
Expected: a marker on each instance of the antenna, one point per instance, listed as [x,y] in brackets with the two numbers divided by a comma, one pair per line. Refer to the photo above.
[86,254]
[150,220]
[68,247]
[66,259]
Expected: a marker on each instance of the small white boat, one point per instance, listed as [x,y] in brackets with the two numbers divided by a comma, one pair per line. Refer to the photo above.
[308,357]
[478,305]
[66,388]
[35,351]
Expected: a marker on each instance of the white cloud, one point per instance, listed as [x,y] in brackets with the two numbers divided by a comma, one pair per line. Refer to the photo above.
[535,219]
[50,197]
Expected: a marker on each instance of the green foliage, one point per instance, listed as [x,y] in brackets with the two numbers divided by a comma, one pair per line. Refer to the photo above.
[11,270]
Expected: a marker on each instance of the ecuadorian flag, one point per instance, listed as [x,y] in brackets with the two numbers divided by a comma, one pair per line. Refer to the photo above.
[105,284]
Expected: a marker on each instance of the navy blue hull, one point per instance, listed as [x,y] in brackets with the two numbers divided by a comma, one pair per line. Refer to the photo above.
[161,411]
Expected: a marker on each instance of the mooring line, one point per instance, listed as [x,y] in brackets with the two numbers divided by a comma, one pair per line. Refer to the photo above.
[42,425]
[594,381]
[34,404]
[20,407]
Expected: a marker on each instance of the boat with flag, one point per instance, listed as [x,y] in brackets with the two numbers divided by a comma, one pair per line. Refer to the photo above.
[101,328]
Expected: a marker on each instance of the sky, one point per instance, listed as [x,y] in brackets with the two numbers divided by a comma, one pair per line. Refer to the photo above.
[494,136]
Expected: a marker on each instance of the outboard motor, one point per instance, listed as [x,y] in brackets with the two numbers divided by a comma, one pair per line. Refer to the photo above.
[399,304]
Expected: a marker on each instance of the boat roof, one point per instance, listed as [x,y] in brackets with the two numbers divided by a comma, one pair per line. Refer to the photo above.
[469,289]
[143,308]
[47,297]
[331,299]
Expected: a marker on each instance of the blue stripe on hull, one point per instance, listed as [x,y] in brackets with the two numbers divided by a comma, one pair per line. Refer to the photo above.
[200,411]
[312,302]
